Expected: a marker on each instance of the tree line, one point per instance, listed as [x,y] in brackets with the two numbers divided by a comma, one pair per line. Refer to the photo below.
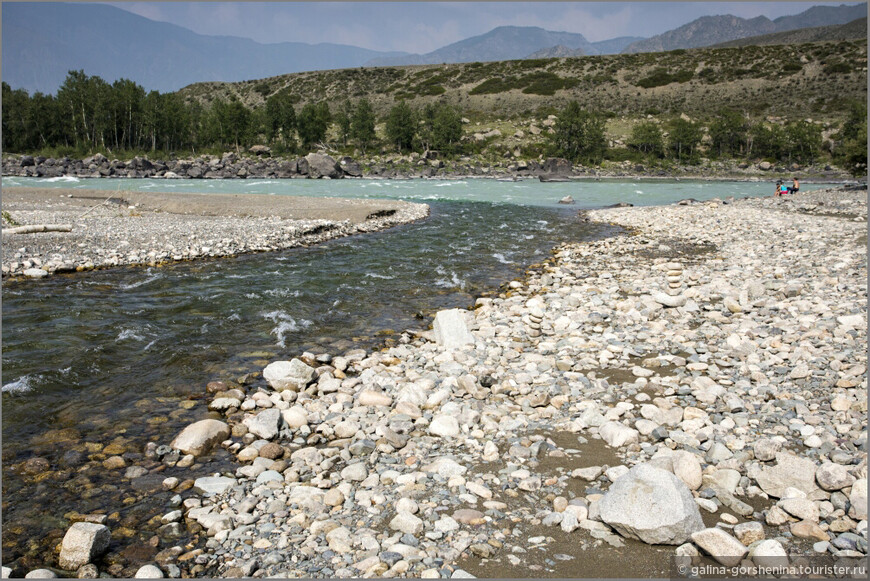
[88,114]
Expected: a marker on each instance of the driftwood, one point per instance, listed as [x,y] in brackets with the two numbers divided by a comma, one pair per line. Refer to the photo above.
[38,228]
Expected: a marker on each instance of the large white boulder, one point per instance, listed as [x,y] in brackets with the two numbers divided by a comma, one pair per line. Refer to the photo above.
[293,375]
[652,505]
[450,329]
[82,543]
[199,437]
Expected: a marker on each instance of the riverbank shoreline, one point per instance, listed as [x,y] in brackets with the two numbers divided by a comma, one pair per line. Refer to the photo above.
[723,344]
[394,166]
[126,228]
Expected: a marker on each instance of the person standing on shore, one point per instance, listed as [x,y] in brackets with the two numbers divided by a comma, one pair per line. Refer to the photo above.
[795,186]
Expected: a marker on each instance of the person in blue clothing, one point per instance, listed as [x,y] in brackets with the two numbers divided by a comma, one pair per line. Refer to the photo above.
[781,189]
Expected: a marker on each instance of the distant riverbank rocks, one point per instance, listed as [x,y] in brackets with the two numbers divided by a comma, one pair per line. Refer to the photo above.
[258,165]
[228,166]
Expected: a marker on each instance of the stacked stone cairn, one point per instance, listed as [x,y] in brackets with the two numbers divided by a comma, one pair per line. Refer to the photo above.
[675,278]
[533,321]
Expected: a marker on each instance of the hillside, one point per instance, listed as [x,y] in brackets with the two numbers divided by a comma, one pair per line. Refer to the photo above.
[796,81]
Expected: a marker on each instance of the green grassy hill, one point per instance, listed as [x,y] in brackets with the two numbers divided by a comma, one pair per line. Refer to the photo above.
[812,80]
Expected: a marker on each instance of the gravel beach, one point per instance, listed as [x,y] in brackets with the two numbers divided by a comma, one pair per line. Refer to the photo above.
[127,228]
[690,393]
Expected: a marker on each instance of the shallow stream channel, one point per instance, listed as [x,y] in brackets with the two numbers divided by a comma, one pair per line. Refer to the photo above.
[98,364]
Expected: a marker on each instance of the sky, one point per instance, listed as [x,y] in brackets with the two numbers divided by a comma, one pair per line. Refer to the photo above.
[420,27]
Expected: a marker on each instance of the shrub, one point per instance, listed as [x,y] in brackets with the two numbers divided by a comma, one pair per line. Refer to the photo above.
[494,85]
[546,83]
[661,76]
[839,68]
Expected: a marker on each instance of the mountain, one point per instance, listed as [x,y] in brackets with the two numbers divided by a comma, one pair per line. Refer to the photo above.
[704,31]
[821,16]
[855,30]
[43,41]
[499,44]
[712,30]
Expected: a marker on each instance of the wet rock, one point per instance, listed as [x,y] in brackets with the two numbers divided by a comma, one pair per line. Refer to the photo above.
[82,543]
[198,438]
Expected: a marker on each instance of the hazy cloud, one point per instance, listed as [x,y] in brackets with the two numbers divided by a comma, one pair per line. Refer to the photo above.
[421,27]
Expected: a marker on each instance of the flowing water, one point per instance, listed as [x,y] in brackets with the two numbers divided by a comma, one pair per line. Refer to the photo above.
[95,365]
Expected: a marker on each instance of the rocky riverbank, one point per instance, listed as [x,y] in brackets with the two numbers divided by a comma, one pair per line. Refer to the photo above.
[136,228]
[692,392]
[428,165]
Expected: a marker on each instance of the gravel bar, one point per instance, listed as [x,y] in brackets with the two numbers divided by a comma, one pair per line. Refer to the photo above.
[136,228]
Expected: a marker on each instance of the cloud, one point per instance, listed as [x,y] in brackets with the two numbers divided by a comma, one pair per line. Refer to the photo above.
[422,27]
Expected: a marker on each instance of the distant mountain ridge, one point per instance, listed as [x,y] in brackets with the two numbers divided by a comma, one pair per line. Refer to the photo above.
[502,43]
[43,41]
[855,30]
[711,30]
